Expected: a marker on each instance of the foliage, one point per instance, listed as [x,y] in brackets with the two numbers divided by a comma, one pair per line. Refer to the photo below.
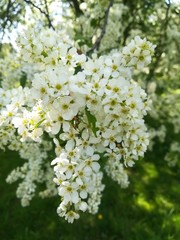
[149,208]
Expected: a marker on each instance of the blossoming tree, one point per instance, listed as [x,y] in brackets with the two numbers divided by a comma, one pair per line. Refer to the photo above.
[69,102]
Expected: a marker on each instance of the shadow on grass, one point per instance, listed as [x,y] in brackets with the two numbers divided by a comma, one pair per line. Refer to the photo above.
[148,210]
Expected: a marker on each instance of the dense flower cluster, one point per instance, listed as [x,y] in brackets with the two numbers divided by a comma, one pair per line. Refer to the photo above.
[89,108]
[31,172]
[123,24]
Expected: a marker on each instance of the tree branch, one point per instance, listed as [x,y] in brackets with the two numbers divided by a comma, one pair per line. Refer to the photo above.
[159,49]
[103,31]
[46,14]
[76,7]
[6,18]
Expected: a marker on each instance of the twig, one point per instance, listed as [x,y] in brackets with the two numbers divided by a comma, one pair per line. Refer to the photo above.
[103,31]
[48,16]
[76,7]
[43,12]
[6,17]
[159,49]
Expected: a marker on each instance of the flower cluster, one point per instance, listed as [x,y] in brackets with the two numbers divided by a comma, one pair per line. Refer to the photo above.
[31,172]
[167,119]
[138,52]
[91,109]
[172,157]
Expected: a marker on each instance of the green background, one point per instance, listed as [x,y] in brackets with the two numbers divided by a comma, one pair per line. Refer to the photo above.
[148,210]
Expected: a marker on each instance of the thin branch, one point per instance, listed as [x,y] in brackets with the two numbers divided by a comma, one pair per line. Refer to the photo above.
[126,32]
[76,7]
[131,24]
[177,44]
[159,49]
[103,31]
[48,16]
[43,12]
[6,18]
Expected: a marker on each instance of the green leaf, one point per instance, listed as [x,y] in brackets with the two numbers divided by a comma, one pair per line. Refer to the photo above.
[39,123]
[92,121]
[23,79]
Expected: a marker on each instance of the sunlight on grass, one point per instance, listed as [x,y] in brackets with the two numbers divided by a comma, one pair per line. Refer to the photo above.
[144,204]
[163,202]
[151,171]
[150,206]
[176,220]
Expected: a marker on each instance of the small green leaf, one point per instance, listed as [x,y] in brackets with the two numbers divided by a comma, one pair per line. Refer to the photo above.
[23,79]
[44,54]
[39,123]
[92,121]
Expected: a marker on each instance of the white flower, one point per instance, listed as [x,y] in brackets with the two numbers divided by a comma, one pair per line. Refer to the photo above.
[111,138]
[36,134]
[71,216]
[92,164]
[83,206]
[58,80]
[64,166]
[66,107]
[69,192]
[79,84]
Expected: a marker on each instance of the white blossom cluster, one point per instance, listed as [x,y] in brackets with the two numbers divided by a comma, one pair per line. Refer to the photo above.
[91,109]
[31,172]
[10,102]
[168,119]
[118,30]
[172,157]
[159,133]
[138,52]
[10,72]
[14,73]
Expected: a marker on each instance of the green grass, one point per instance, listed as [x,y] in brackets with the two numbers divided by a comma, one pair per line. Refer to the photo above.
[148,210]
